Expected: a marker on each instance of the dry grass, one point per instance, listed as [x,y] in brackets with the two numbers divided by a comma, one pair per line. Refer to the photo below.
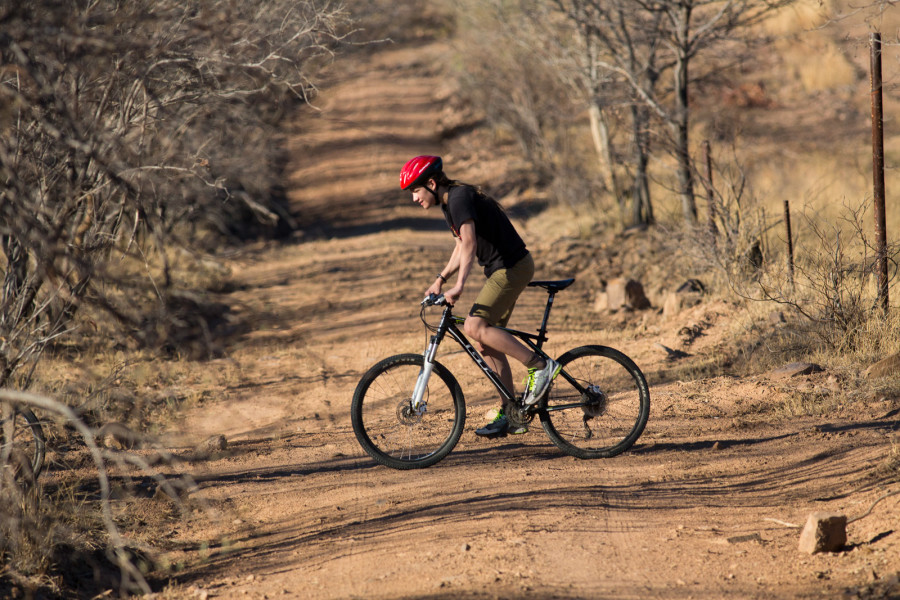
[802,15]
[820,64]
[808,48]
[811,147]
[92,521]
[54,532]
[890,468]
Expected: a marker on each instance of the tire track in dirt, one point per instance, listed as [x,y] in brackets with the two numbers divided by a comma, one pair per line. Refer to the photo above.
[346,157]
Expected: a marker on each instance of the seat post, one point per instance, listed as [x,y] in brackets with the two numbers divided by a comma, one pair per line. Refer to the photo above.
[552,288]
[542,331]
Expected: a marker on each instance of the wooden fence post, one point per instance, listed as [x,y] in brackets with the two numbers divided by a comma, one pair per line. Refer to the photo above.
[790,242]
[710,196]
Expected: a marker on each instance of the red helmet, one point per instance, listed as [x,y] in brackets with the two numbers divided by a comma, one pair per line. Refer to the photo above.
[418,170]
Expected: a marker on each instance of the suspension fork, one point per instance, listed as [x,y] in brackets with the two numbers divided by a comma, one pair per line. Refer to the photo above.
[418,398]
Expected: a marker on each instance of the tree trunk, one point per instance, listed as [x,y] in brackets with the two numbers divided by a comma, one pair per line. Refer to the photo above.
[681,121]
[641,208]
[600,133]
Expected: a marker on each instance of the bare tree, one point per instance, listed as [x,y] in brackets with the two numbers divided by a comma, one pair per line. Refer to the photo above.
[689,28]
[617,32]
[126,129]
[509,72]
[643,40]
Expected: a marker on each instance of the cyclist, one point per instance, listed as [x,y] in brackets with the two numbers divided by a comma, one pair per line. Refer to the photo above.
[482,230]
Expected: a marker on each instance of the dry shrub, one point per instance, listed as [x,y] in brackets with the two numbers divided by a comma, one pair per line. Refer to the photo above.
[830,285]
[129,129]
[727,250]
[799,16]
[71,533]
[833,292]
[398,22]
[134,136]
[829,302]
[890,468]
[829,316]
[26,528]
[818,63]
[813,43]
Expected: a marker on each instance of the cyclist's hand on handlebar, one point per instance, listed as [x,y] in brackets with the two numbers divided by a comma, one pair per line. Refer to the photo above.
[434,290]
[453,294]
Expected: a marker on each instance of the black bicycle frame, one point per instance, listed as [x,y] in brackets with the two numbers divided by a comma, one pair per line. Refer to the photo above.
[535,341]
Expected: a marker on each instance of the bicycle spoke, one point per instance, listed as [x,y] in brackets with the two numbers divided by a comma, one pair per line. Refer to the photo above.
[387,426]
[608,416]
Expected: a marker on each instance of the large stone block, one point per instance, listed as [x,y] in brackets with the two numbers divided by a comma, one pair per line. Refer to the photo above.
[624,293]
[823,532]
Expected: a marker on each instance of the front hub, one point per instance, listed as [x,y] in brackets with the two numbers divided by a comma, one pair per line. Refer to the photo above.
[407,415]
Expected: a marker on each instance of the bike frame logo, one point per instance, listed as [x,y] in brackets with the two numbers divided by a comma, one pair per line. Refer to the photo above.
[474,354]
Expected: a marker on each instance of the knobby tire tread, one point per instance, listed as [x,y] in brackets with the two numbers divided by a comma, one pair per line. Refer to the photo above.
[40,442]
[440,373]
[25,423]
[641,418]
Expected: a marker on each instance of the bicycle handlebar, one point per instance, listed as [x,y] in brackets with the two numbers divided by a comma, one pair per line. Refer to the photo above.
[434,300]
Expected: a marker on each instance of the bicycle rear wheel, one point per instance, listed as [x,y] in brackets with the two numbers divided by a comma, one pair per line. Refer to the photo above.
[22,442]
[387,427]
[598,406]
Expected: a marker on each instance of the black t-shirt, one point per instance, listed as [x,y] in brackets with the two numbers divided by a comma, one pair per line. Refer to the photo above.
[498,243]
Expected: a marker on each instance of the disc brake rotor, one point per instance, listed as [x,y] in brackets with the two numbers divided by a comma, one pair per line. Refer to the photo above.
[406,415]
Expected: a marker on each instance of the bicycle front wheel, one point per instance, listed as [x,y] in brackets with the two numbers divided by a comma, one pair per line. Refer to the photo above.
[390,430]
[22,442]
[598,405]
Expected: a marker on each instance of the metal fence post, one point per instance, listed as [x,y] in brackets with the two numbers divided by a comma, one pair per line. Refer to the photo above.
[878,170]
[710,195]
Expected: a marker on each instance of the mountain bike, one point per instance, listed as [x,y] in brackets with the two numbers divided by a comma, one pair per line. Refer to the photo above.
[408,410]
[22,441]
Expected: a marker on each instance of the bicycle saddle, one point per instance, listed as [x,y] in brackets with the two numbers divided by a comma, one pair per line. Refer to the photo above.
[553,286]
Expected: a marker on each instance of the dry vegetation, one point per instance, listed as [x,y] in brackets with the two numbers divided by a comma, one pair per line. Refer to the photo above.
[117,162]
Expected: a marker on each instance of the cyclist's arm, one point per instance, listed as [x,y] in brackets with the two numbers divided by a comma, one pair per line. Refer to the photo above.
[447,271]
[453,264]
[464,256]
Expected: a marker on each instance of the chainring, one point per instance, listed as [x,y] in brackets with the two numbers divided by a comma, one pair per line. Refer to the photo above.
[519,418]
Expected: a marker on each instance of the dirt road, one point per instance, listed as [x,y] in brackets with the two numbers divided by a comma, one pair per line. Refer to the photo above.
[700,508]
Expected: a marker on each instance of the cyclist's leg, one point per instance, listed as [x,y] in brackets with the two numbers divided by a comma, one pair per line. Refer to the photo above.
[497,424]
[498,362]
[496,343]
[494,306]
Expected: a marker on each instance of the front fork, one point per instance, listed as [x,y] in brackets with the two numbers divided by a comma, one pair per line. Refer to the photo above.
[418,400]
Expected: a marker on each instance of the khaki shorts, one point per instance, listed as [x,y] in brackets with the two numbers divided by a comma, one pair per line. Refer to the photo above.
[496,300]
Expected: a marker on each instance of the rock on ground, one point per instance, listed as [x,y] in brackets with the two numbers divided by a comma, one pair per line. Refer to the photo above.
[823,532]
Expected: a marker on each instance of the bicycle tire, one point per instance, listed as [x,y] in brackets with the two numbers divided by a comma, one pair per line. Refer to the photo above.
[606,420]
[393,436]
[28,444]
